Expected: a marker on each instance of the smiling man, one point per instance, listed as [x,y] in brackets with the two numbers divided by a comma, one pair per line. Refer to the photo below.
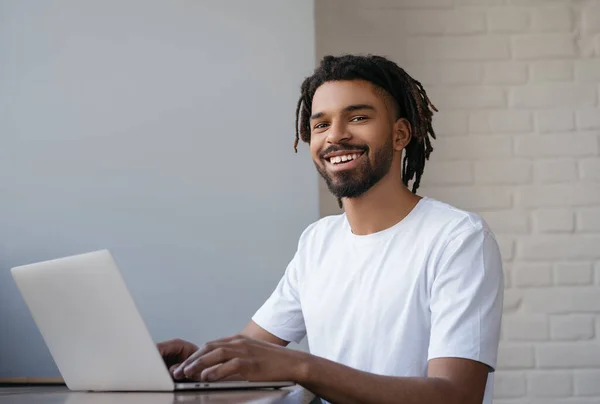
[400,296]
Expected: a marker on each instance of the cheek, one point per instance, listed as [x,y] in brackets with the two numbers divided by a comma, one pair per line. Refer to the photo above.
[314,147]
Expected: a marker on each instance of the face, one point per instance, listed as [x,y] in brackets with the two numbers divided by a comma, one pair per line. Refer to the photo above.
[354,136]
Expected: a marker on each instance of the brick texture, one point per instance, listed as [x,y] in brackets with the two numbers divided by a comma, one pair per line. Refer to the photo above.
[588,220]
[451,123]
[437,173]
[590,169]
[503,172]
[525,327]
[510,384]
[555,195]
[458,48]
[555,170]
[551,70]
[473,147]
[532,274]
[510,221]
[550,384]
[506,73]
[515,356]
[555,220]
[591,17]
[508,20]
[502,121]
[517,85]
[557,120]
[564,95]
[449,72]
[543,46]
[588,70]
[554,145]
[573,273]
[588,118]
[443,22]
[572,327]
[552,19]
[586,382]
[568,355]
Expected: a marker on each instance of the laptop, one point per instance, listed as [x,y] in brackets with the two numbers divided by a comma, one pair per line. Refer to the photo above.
[94,331]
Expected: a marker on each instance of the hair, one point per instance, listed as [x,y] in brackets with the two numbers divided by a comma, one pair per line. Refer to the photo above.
[411,103]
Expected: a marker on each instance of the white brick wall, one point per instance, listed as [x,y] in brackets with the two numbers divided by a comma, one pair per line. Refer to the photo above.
[550,384]
[517,83]
[555,120]
[571,327]
[551,70]
[554,220]
[554,170]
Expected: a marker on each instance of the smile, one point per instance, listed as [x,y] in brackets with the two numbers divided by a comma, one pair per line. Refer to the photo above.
[344,158]
[344,161]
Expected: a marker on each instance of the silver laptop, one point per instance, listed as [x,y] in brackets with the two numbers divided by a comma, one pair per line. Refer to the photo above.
[94,330]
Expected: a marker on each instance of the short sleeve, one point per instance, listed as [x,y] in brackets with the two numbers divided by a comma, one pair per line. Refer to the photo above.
[281,314]
[466,299]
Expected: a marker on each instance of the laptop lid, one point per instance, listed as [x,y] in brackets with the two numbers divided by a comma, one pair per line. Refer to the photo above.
[91,324]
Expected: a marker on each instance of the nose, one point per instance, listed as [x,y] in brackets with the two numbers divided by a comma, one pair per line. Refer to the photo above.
[338,133]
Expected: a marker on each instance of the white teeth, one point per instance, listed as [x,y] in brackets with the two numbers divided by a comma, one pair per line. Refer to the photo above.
[344,158]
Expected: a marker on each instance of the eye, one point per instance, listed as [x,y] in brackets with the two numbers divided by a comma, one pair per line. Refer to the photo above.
[320,125]
[358,118]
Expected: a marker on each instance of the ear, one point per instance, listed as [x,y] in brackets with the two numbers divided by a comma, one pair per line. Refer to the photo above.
[402,134]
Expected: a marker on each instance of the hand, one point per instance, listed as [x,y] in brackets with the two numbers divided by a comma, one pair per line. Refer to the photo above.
[175,351]
[253,360]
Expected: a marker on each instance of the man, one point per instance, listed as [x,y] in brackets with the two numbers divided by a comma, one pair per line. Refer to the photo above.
[401,296]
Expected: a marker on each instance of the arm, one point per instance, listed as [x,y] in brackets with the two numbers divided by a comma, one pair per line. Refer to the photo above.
[449,381]
[254,331]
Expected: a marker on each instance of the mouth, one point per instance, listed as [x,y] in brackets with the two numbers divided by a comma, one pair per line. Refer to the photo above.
[343,161]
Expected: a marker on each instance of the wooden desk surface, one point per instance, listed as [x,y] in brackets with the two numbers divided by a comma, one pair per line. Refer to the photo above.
[60,394]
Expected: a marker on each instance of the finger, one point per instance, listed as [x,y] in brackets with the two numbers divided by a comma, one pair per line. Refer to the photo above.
[237,340]
[210,359]
[181,378]
[178,371]
[176,348]
[206,348]
[209,369]
[172,370]
[233,378]
[169,348]
[233,367]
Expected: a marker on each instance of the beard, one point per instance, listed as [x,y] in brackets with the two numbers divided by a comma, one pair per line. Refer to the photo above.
[353,183]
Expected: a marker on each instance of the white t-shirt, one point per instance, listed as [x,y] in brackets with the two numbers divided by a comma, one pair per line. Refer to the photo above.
[430,286]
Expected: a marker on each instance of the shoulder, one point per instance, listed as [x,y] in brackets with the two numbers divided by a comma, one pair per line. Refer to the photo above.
[322,230]
[449,221]
[449,230]
[465,242]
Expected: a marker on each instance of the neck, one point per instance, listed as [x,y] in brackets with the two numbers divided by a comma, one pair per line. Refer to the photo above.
[381,207]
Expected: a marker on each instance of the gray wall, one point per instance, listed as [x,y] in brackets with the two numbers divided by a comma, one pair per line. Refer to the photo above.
[162,131]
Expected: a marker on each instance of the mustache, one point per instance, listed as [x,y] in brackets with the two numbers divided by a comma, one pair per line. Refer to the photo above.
[341,147]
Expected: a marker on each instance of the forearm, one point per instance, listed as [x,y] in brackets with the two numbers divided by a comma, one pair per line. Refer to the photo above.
[253,330]
[341,384]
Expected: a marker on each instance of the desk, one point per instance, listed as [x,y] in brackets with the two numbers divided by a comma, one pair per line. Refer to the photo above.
[50,394]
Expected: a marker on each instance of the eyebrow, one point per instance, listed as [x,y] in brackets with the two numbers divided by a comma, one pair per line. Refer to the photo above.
[349,108]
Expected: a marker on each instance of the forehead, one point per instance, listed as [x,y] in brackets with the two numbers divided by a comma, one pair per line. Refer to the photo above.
[336,95]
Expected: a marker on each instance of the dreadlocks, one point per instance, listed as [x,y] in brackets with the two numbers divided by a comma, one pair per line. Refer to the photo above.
[410,98]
